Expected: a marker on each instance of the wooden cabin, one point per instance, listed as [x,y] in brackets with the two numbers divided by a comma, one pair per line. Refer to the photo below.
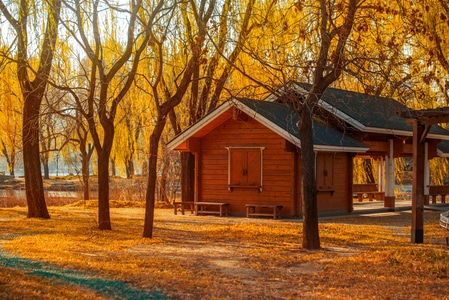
[248,151]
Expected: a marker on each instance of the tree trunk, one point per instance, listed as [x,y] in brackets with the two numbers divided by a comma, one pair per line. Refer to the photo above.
[86,151]
[152,177]
[10,158]
[85,174]
[104,220]
[311,237]
[113,170]
[129,168]
[11,169]
[46,167]
[34,187]
[368,168]
[187,176]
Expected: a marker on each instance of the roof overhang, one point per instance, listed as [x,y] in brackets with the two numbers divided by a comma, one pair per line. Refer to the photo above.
[291,138]
[442,154]
[403,133]
[195,129]
[359,126]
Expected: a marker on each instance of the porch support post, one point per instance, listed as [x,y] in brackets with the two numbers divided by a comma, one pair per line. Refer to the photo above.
[417,235]
[197,176]
[381,174]
[389,178]
[350,181]
[426,173]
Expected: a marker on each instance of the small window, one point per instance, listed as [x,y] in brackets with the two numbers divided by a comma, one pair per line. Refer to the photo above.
[245,167]
[325,171]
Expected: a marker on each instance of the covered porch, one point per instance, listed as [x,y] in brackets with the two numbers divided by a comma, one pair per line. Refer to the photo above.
[385,187]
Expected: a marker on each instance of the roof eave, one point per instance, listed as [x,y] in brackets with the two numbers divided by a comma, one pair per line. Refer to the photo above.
[442,154]
[327,148]
[403,133]
[293,139]
[182,137]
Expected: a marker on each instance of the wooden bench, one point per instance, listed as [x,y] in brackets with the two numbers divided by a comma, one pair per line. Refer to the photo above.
[435,190]
[369,189]
[181,206]
[203,208]
[444,220]
[263,210]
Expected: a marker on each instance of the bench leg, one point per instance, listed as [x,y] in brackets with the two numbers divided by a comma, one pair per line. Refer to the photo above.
[360,196]
[443,198]
[196,209]
[250,210]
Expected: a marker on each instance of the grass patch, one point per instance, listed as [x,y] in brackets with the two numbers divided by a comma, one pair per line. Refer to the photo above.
[203,257]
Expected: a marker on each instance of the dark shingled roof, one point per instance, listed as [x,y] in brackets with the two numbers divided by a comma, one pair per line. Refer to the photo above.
[443,146]
[371,111]
[287,119]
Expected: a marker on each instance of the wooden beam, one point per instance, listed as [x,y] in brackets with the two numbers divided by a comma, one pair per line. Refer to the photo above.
[422,139]
[196,191]
[417,236]
[193,144]
[430,116]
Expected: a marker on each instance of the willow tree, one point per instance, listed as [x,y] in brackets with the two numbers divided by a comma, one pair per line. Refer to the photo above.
[10,116]
[169,85]
[129,129]
[23,18]
[113,39]
[227,31]
[428,22]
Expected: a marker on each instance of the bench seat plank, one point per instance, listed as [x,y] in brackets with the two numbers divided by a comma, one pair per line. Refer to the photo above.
[369,189]
[251,210]
[435,190]
[200,208]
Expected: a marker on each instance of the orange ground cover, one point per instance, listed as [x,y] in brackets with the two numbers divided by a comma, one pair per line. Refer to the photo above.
[202,257]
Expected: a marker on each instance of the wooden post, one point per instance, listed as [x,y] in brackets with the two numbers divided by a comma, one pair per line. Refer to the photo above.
[381,174]
[421,120]
[418,182]
[426,173]
[295,182]
[389,201]
[197,176]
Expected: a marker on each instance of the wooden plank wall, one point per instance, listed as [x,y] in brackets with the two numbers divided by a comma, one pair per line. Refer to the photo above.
[278,171]
[337,201]
[277,166]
